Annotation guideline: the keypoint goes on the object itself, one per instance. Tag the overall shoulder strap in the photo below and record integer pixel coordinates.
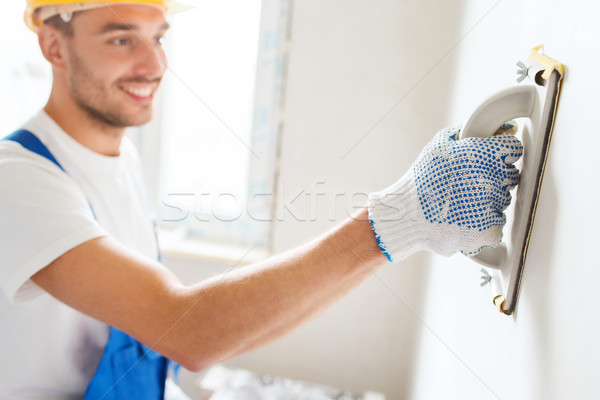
(31, 142)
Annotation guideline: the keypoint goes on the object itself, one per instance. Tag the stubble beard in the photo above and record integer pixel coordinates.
(93, 99)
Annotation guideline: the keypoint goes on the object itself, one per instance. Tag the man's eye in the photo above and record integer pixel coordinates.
(160, 40)
(121, 42)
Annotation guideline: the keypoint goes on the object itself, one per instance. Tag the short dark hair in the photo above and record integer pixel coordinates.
(57, 22)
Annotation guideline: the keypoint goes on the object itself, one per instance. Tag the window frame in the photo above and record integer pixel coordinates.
(255, 223)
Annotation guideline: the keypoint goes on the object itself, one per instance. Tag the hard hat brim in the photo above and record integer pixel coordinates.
(30, 16)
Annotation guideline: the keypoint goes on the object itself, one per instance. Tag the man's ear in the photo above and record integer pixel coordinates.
(53, 44)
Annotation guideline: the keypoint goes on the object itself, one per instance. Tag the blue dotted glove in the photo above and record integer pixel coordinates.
(451, 199)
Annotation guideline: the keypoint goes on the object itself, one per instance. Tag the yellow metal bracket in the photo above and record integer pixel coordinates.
(537, 55)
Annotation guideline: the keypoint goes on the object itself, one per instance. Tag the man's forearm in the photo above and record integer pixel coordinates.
(252, 306)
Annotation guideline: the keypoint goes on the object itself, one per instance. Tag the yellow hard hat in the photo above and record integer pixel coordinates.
(34, 18)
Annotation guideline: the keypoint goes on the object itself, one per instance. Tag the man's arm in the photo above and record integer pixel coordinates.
(221, 317)
(452, 199)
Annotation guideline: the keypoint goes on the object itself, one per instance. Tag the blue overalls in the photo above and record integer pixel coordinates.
(128, 369)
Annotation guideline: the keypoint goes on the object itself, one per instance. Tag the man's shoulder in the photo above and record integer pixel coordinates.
(13, 154)
(22, 170)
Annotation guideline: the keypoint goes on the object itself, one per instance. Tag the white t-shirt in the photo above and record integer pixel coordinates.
(47, 349)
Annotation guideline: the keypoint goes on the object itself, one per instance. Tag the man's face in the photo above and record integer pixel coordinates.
(115, 63)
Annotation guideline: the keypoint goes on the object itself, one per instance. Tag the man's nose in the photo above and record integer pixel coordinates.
(150, 60)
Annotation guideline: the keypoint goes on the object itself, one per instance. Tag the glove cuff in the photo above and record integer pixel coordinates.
(397, 219)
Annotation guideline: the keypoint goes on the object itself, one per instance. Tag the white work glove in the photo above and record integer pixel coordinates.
(451, 199)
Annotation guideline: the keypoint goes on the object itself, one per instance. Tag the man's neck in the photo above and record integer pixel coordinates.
(76, 123)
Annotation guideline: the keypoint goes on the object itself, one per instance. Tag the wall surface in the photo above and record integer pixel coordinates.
(550, 348)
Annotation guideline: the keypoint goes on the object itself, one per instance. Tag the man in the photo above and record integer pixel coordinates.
(78, 247)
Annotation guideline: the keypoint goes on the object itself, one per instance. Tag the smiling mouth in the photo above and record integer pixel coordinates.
(141, 92)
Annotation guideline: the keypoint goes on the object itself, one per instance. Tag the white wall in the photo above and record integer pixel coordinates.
(550, 348)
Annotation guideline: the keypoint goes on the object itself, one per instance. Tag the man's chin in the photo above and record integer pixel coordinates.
(119, 118)
(135, 119)
(139, 123)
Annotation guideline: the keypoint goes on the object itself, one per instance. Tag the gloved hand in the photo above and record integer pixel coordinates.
(451, 199)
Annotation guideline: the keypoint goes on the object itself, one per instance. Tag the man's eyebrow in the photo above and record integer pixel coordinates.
(127, 27)
(118, 27)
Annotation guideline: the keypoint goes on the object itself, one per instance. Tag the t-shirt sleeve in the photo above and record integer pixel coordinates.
(43, 214)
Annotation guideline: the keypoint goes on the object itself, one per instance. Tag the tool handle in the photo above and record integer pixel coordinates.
(507, 104)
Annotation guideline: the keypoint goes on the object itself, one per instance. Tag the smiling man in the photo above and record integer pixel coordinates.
(107, 77)
(89, 312)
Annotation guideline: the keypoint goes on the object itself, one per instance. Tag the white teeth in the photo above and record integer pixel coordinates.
(140, 92)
